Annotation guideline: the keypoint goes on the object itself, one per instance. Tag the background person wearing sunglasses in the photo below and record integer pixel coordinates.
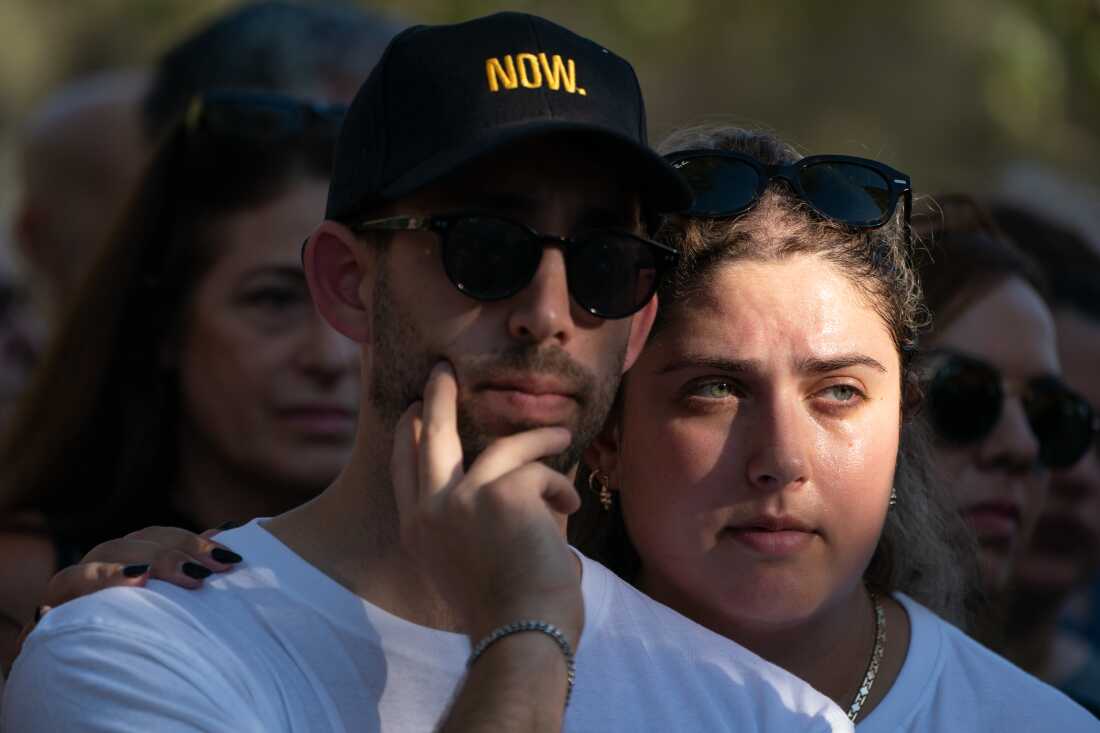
(361, 609)
(191, 381)
(995, 399)
(1061, 562)
(763, 473)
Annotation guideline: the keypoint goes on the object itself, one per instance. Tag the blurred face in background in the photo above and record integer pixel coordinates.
(270, 392)
(757, 444)
(998, 480)
(1065, 550)
(82, 155)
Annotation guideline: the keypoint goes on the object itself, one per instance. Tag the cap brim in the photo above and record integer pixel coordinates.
(661, 187)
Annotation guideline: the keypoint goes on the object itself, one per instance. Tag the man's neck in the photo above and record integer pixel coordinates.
(351, 533)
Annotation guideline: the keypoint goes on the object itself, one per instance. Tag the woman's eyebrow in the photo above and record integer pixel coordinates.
(808, 365)
(717, 363)
(821, 365)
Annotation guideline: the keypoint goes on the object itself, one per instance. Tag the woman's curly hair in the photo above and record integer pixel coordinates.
(923, 547)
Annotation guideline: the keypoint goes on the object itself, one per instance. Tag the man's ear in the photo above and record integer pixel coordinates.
(337, 267)
(641, 323)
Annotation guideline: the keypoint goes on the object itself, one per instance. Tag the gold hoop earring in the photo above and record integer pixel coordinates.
(597, 484)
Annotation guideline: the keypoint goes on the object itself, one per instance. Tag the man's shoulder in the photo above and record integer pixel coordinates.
(205, 659)
(160, 608)
(211, 621)
(124, 649)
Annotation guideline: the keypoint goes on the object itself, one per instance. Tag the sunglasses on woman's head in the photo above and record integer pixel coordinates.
(611, 273)
(261, 118)
(857, 192)
(965, 397)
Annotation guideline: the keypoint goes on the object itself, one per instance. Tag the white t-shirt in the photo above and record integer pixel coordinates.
(275, 645)
(949, 682)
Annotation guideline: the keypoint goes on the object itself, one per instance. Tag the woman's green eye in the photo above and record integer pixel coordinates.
(842, 392)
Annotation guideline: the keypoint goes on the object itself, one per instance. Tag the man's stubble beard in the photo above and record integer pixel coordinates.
(400, 367)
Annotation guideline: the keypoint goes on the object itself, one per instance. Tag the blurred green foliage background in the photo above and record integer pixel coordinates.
(947, 90)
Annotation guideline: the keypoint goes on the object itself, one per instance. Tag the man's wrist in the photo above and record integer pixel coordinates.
(568, 618)
(530, 628)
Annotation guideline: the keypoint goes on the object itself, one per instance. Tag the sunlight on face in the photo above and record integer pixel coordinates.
(759, 437)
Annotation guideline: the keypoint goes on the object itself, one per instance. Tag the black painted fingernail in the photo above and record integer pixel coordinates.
(231, 524)
(227, 557)
(135, 571)
(196, 571)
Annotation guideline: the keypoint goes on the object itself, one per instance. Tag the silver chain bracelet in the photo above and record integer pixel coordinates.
(531, 625)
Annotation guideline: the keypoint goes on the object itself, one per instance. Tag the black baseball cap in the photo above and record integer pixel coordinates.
(443, 96)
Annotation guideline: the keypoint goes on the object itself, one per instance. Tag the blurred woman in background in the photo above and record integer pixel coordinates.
(192, 380)
(1002, 415)
(1063, 557)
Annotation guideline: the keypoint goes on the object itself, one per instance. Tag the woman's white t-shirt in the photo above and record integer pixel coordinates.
(949, 682)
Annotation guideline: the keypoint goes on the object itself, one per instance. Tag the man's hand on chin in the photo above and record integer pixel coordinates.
(489, 538)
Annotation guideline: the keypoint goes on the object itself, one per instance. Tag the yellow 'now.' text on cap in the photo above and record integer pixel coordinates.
(532, 71)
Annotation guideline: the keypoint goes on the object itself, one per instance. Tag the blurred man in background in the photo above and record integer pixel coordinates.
(81, 152)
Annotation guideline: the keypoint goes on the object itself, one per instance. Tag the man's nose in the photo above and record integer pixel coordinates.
(542, 312)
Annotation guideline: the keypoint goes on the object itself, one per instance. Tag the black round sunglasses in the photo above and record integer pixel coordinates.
(611, 273)
(965, 397)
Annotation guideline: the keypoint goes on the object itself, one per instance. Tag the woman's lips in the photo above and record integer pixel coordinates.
(772, 536)
(319, 420)
(777, 543)
(994, 522)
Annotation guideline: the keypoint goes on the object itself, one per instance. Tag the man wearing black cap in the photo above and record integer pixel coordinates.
(484, 241)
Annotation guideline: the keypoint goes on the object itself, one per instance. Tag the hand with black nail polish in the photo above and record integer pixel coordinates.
(173, 555)
(196, 571)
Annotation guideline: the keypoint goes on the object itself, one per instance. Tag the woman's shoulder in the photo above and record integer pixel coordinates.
(950, 677)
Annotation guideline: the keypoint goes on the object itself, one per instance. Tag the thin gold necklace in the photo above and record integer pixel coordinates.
(875, 661)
